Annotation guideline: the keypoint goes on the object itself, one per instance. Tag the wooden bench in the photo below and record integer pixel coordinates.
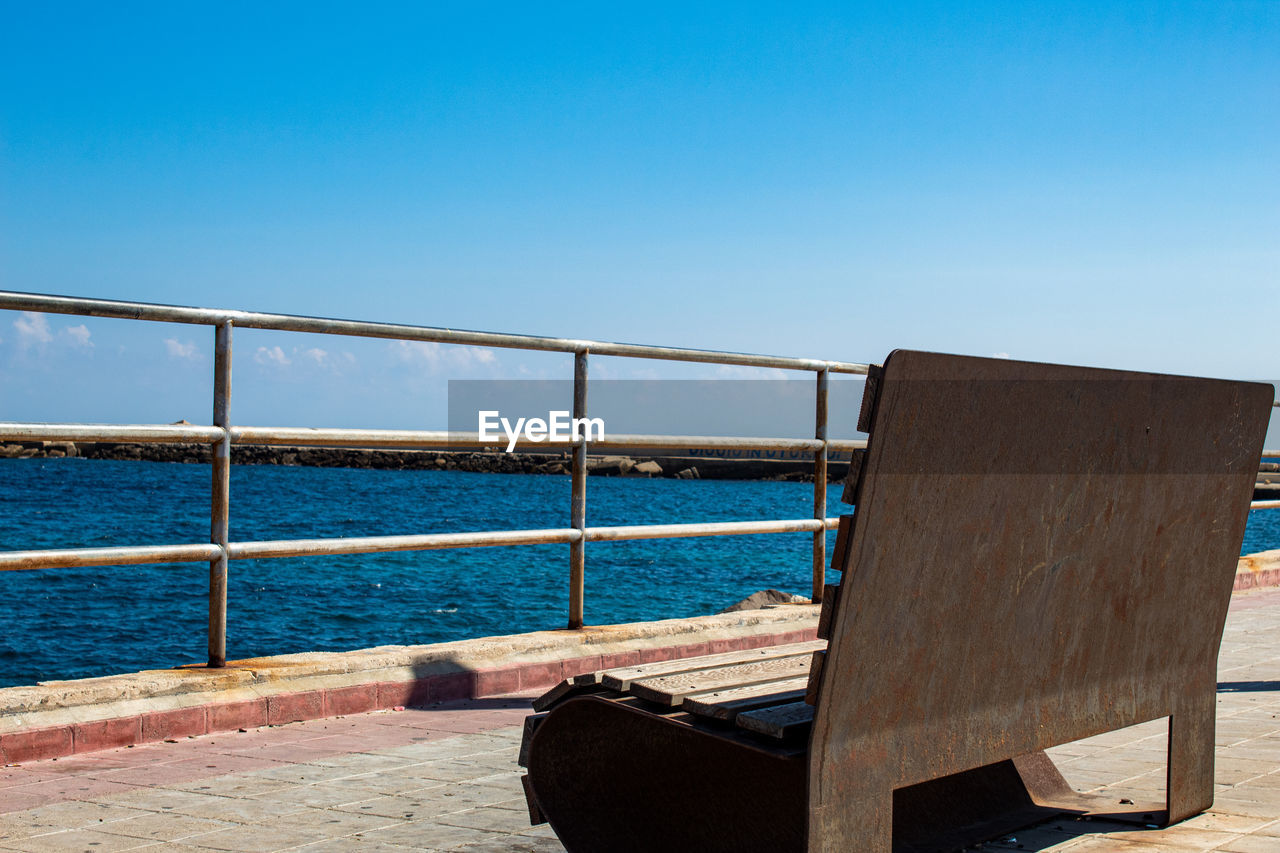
(1039, 554)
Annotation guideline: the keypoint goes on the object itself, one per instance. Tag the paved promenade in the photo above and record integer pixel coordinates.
(445, 778)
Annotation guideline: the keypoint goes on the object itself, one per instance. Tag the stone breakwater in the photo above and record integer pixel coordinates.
(676, 467)
(434, 460)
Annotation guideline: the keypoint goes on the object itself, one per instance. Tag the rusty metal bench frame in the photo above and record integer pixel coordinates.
(1039, 554)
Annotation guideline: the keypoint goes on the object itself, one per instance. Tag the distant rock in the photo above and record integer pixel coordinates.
(647, 468)
(611, 466)
(765, 598)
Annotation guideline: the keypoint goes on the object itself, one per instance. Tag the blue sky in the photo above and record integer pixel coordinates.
(1095, 183)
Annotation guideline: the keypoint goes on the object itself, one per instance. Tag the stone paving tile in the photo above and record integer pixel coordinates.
(490, 818)
(71, 788)
(160, 826)
(78, 840)
(261, 838)
(238, 785)
(239, 810)
(345, 845)
(321, 795)
(514, 844)
(334, 824)
(302, 774)
(371, 785)
(432, 835)
(73, 814)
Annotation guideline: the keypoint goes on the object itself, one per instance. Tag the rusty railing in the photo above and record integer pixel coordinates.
(223, 435)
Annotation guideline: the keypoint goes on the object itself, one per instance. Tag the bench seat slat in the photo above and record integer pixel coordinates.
(778, 721)
(815, 678)
(620, 679)
(827, 615)
(727, 704)
(671, 689)
(576, 685)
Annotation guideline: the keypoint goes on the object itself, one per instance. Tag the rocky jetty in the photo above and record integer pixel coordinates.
(1268, 485)
(765, 598)
(674, 467)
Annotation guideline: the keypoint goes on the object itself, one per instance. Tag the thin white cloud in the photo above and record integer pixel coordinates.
(32, 329)
(177, 349)
(79, 336)
(272, 356)
(1000, 355)
(744, 371)
(436, 357)
(316, 356)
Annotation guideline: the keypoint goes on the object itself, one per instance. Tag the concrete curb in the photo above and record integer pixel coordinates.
(55, 719)
(1258, 570)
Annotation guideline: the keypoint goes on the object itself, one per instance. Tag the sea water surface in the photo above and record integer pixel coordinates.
(74, 623)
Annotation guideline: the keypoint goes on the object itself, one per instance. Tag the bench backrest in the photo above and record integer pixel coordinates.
(1040, 553)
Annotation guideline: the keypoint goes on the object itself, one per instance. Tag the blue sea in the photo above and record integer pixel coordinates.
(75, 623)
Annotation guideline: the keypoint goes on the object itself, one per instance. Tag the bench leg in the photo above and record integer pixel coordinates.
(609, 777)
(1191, 743)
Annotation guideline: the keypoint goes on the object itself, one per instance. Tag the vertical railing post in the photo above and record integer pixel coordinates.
(820, 489)
(220, 502)
(578, 495)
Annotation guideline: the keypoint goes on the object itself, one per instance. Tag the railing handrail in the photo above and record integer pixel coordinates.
(110, 308)
(440, 440)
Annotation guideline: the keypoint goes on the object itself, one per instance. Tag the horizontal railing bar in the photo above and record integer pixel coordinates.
(122, 556)
(125, 555)
(358, 328)
(378, 544)
(718, 528)
(402, 438)
(130, 433)
(424, 439)
(1271, 454)
(722, 442)
(441, 440)
(69, 558)
(482, 539)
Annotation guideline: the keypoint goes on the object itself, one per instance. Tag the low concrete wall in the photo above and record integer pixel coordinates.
(58, 718)
(1257, 570)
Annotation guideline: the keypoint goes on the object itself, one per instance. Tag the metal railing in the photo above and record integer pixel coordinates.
(222, 435)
